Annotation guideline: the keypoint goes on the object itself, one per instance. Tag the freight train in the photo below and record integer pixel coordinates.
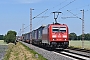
(51, 36)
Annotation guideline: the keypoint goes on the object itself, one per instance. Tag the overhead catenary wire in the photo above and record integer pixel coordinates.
(74, 14)
(81, 7)
(62, 7)
(40, 14)
(74, 9)
(53, 8)
(37, 17)
(58, 5)
(66, 5)
(88, 5)
(84, 11)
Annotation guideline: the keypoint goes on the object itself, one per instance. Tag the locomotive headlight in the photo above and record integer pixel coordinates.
(53, 36)
(53, 39)
(64, 36)
(65, 39)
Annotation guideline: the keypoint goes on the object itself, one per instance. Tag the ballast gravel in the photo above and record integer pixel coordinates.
(49, 55)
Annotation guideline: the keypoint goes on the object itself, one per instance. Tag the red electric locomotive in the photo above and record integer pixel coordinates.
(55, 36)
(51, 36)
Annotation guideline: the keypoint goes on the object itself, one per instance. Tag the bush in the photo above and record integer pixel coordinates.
(10, 37)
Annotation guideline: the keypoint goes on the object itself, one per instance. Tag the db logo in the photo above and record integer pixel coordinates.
(59, 36)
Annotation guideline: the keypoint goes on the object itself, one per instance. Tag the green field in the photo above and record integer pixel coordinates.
(2, 42)
(79, 44)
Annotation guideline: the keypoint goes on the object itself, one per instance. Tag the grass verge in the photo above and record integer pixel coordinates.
(40, 57)
(8, 53)
(21, 52)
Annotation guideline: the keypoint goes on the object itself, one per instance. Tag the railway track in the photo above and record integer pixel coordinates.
(82, 50)
(78, 55)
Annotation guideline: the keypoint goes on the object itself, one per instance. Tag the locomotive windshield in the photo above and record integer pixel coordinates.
(59, 29)
(55, 29)
(62, 29)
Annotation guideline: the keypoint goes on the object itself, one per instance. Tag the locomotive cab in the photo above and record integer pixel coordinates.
(58, 35)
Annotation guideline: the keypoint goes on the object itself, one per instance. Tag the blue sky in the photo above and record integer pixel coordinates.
(14, 13)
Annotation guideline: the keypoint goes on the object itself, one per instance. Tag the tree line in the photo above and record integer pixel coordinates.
(11, 37)
(73, 36)
(1, 37)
